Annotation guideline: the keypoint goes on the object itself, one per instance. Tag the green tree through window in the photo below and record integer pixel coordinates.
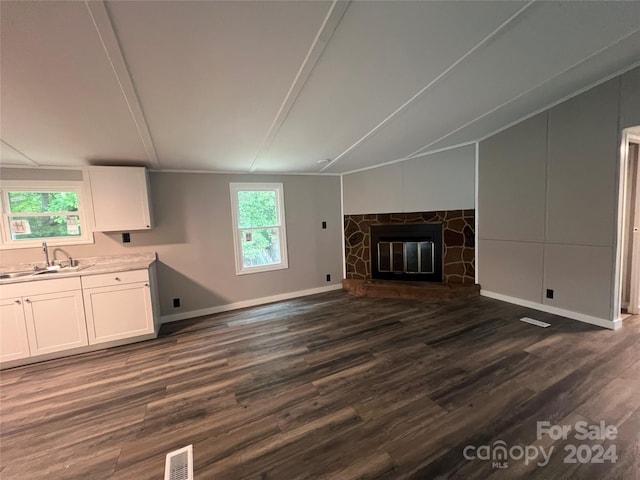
(259, 245)
(47, 213)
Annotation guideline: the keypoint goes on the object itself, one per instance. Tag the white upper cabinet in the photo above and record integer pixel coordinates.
(120, 198)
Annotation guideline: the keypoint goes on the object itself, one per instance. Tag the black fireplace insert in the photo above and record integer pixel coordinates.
(407, 252)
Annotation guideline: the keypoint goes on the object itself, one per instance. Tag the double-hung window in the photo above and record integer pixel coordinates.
(259, 233)
(37, 211)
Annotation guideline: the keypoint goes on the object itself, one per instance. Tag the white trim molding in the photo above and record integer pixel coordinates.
(476, 186)
(84, 212)
(106, 34)
(581, 317)
(247, 303)
(477, 47)
(331, 20)
(406, 159)
(261, 173)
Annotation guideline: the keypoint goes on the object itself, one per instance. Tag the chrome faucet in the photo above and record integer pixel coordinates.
(46, 254)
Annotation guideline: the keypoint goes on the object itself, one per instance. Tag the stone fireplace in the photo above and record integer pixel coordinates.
(437, 247)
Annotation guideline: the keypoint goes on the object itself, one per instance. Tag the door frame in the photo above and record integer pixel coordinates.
(627, 137)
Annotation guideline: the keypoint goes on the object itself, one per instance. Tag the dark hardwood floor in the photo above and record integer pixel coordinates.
(331, 386)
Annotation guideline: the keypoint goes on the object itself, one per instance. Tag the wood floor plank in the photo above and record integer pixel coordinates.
(328, 386)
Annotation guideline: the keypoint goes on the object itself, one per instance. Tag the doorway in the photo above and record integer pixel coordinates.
(629, 217)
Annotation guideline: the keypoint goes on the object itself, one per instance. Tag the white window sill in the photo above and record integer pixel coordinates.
(37, 243)
(266, 268)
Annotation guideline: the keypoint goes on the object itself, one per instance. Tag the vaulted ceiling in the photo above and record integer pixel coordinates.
(306, 86)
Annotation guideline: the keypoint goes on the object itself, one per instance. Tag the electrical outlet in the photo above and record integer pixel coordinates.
(176, 303)
(324, 225)
(328, 277)
(549, 293)
(126, 238)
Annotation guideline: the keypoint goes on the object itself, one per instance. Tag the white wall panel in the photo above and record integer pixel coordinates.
(580, 277)
(630, 99)
(511, 268)
(579, 211)
(440, 181)
(511, 188)
(378, 190)
(583, 144)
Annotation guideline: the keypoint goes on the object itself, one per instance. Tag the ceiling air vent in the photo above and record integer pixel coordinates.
(179, 464)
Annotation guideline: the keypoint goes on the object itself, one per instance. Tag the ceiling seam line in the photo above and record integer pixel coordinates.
(242, 172)
(143, 130)
(600, 81)
(526, 92)
(21, 153)
(431, 83)
(405, 159)
(329, 24)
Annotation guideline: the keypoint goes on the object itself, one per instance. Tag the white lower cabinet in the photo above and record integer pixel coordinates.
(48, 315)
(14, 343)
(42, 317)
(55, 322)
(118, 311)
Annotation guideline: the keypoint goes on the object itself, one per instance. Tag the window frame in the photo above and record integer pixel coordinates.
(83, 212)
(278, 188)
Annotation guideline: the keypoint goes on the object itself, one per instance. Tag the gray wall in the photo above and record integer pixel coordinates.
(547, 192)
(440, 181)
(194, 240)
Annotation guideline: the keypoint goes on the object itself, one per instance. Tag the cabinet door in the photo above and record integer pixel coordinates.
(117, 312)
(120, 198)
(55, 322)
(14, 343)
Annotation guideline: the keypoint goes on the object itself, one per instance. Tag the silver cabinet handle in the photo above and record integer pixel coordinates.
(18, 302)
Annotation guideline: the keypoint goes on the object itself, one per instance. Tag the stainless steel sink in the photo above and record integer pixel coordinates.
(15, 274)
(44, 271)
(60, 270)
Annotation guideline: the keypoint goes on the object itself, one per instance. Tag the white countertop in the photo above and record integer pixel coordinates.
(87, 266)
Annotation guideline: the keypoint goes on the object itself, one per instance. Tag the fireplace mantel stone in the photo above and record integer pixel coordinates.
(458, 232)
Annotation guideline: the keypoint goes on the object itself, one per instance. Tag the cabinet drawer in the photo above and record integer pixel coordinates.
(38, 287)
(116, 278)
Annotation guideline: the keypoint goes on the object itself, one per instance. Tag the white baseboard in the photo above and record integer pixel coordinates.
(600, 322)
(247, 303)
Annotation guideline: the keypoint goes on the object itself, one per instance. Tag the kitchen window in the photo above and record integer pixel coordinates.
(37, 211)
(259, 232)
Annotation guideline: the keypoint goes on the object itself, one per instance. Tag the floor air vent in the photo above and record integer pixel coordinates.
(535, 322)
(179, 464)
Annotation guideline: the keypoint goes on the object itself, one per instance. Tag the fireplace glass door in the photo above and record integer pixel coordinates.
(410, 252)
(406, 257)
